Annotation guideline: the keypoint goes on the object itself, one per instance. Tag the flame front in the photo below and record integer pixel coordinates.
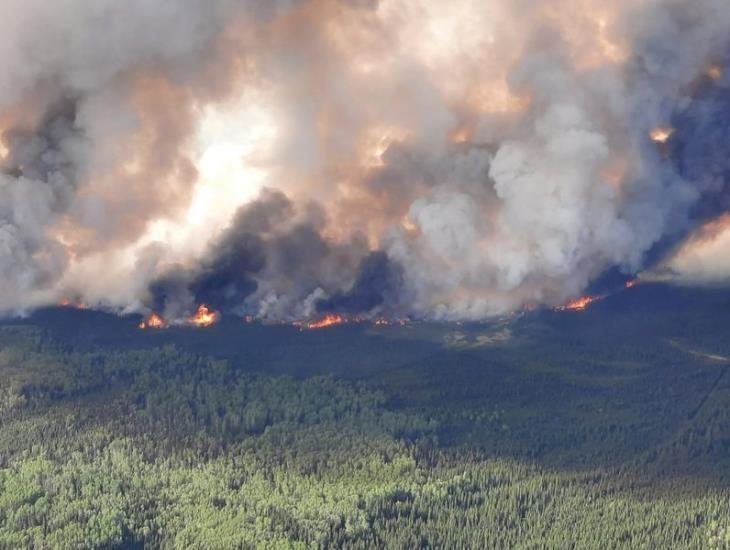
(579, 304)
(76, 304)
(327, 321)
(333, 319)
(153, 321)
(204, 317)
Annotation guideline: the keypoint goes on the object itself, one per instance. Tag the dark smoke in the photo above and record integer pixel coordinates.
(228, 280)
(38, 180)
(271, 246)
(697, 153)
(46, 152)
(379, 281)
(699, 149)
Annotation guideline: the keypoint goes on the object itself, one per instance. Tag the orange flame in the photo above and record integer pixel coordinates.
(336, 319)
(76, 304)
(461, 135)
(327, 321)
(579, 304)
(631, 283)
(661, 134)
(204, 317)
(153, 321)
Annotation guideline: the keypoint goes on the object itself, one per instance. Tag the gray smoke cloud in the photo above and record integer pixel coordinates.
(98, 103)
(440, 161)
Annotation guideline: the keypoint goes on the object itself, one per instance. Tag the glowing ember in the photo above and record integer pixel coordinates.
(661, 135)
(410, 227)
(335, 319)
(328, 321)
(630, 284)
(204, 317)
(153, 321)
(714, 72)
(462, 135)
(76, 304)
(579, 304)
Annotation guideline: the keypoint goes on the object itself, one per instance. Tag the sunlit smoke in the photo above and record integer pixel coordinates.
(703, 258)
(315, 160)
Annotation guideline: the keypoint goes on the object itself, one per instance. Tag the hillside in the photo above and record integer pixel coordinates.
(601, 428)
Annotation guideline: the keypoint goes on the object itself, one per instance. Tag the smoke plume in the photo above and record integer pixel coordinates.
(440, 160)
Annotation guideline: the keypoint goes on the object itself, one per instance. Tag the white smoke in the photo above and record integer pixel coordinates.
(497, 153)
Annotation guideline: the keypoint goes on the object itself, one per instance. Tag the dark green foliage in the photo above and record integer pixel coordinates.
(552, 439)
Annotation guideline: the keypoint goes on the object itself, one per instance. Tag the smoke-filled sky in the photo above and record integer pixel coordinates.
(282, 159)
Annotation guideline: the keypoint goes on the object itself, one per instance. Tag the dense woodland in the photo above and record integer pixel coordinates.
(551, 439)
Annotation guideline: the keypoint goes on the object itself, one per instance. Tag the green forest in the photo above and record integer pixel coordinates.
(535, 441)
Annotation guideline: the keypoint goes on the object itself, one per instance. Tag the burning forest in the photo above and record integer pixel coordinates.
(202, 318)
(332, 320)
(579, 304)
(320, 161)
(364, 274)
